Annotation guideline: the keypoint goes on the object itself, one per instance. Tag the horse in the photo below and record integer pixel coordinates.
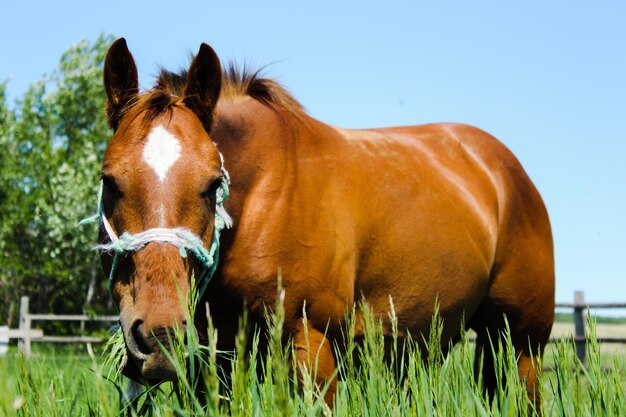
(437, 213)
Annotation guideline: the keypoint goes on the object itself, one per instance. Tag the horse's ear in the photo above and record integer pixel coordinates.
(204, 81)
(120, 81)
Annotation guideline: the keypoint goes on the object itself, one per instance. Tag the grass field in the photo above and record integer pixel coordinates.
(602, 330)
(56, 382)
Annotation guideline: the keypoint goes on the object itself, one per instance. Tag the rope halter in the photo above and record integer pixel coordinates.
(185, 240)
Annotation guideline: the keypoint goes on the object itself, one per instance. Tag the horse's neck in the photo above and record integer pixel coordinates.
(254, 140)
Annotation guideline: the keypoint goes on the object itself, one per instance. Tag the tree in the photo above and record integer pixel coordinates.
(52, 143)
(7, 156)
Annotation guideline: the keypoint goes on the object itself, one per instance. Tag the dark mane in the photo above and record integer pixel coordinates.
(236, 82)
(245, 82)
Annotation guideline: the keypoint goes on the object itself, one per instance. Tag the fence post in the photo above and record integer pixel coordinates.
(24, 342)
(579, 325)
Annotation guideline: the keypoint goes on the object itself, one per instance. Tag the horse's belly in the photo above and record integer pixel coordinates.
(415, 298)
(446, 263)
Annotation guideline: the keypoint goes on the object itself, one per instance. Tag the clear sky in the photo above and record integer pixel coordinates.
(548, 78)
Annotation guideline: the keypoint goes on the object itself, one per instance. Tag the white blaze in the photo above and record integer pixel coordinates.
(162, 215)
(161, 151)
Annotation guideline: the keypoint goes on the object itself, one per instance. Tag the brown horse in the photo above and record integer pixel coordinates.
(440, 212)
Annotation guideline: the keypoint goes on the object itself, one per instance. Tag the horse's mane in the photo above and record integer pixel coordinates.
(236, 82)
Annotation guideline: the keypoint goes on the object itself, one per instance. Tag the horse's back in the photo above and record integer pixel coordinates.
(443, 208)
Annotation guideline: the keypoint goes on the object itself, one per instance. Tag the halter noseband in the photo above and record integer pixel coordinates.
(182, 238)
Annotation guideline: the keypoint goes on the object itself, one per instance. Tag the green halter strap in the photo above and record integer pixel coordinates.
(183, 239)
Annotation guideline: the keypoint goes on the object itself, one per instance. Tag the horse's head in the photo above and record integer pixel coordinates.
(161, 175)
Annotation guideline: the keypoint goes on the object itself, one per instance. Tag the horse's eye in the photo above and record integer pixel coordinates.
(212, 188)
(110, 185)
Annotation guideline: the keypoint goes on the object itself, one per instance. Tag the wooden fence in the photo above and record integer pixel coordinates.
(26, 334)
(580, 306)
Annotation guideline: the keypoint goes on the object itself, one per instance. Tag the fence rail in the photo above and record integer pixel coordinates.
(70, 317)
(26, 334)
(579, 306)
(591, 305)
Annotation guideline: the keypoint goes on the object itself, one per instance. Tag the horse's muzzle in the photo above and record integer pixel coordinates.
(148, 351)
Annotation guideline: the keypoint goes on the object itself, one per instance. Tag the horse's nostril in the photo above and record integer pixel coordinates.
(140, 340)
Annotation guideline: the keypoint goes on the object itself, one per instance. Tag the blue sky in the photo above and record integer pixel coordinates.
(548, 78)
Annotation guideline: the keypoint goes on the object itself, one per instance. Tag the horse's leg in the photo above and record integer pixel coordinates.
(314, 351)
(484, 365)
(527, 366)
(522, 290)
(528, 340)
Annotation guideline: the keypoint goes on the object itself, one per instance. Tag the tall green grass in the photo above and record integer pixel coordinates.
(412, 382)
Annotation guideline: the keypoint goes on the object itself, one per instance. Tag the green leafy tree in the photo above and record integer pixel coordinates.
(7, 158)
(52, 143)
